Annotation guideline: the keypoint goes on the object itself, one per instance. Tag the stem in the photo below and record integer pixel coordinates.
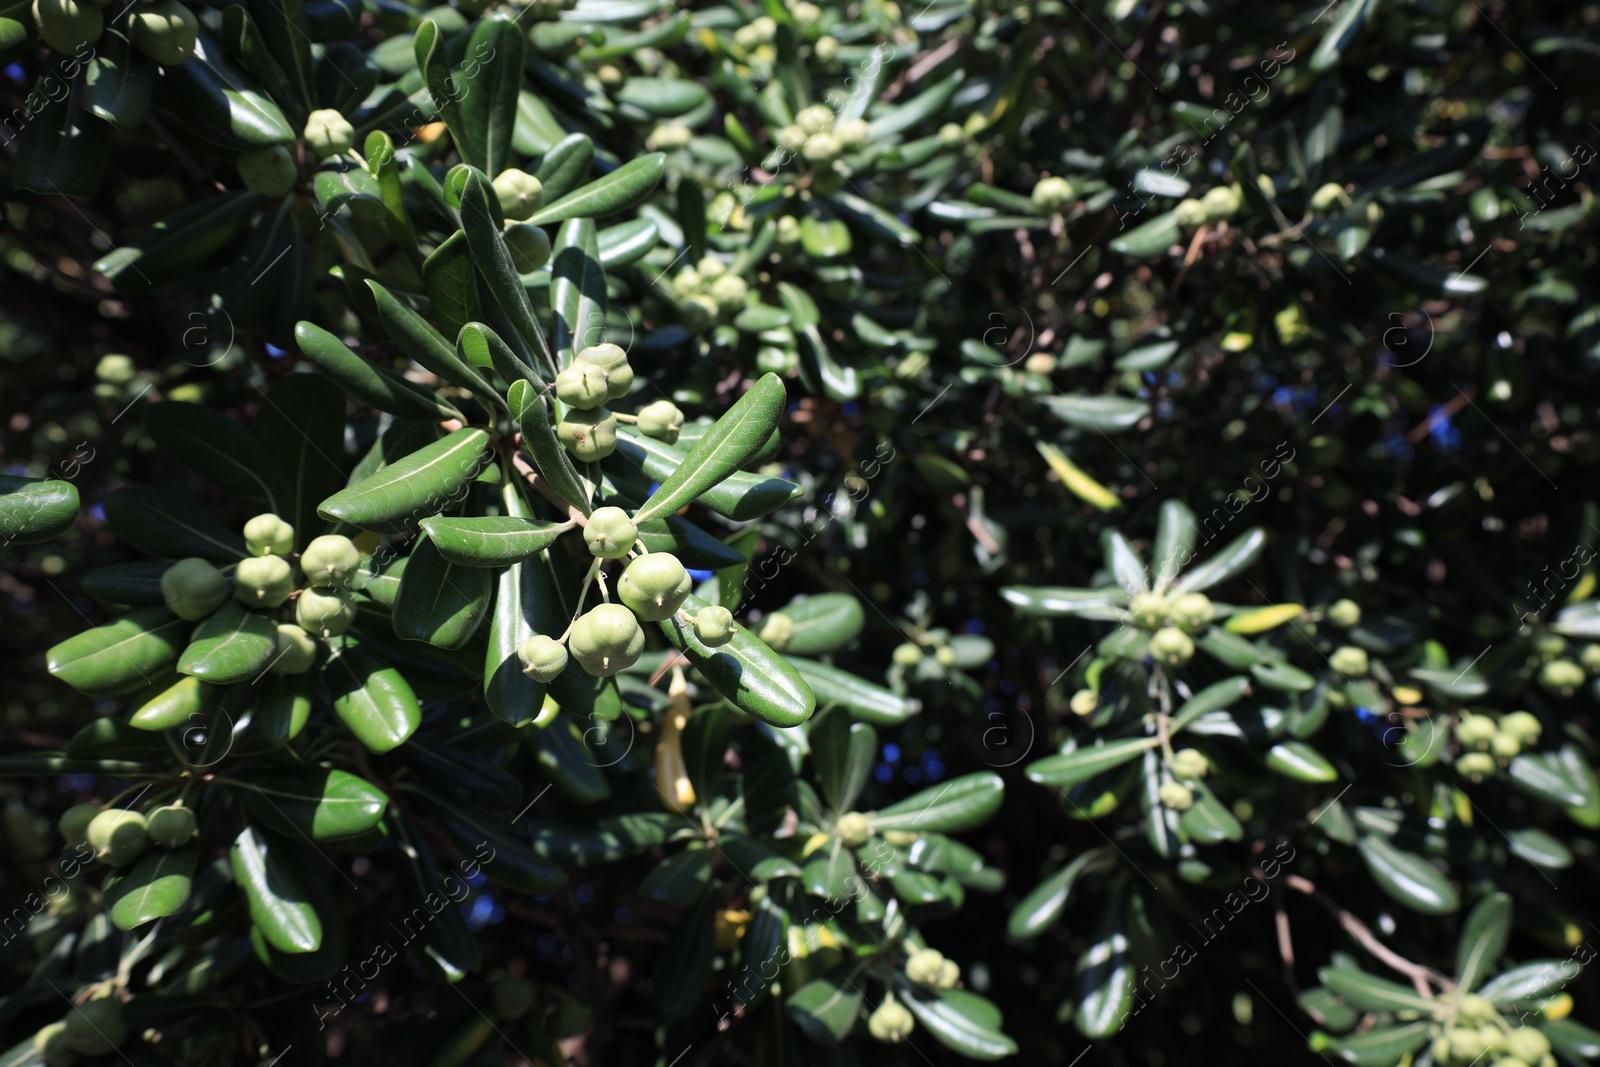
(1420, 976)
(594, 570)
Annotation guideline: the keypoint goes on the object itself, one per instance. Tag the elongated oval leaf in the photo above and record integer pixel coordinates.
(1084, 763)
(131, 652)
(618, 191)
(737, 436)
(959, 804)
(311, 803)
(157, 886)
(418, 485)
(372, 699)
(35, 510)
(864, 700)
(278, 902)
(234, 645)
(756, 679)
(366, 381)
(1408, 878)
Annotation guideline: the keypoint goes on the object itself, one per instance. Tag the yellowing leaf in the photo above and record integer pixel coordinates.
(1263, 619)
(1077, 482)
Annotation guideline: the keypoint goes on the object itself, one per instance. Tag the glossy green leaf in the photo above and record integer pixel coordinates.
(1053, 601)
(754, 860)
(1083, 763)
(1176, 531)
(1382, 1046)
(1408, 878)
(1229, 562)
(844, 752)
(1296, 759)
(1208, 821)
(565, 165)
(233, 645)
(119, 82)
(224, 98)
(157, 886)
(371, 698)
(494, 262)
(489, 80)
(1540, 775)
(539, 438)
(480, 346)
(365, 380)
(1042, 907)
(35, 510)
(278, 902)
(112, 659)
(507, 858)
(739, 495)
(490, 540)
(963, 1022)
(757, 680)
(452, 286)
(864, 700)
(618, 191)
(959, 804)
(301, 422)
(62, 149)
(311, 803)
(440, 602)
(168, 526)
(421, 342)
(577, 289)
(679, 879)
(1533, 845)
(1571, 1039)
(1124, 563)
(219, 448)
(825, 1009)
(1376, 994)
(1105, 977)
(829, 871)
(173, 705)
(737, 436)
(285, 707)
(1284, 677)
(418, 485)
(1214, 697)
(1528, 981)
(1483, 940)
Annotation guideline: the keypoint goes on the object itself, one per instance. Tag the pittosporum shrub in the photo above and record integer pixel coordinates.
(605, 532)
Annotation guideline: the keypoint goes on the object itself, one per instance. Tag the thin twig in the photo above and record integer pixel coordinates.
(1420, 976)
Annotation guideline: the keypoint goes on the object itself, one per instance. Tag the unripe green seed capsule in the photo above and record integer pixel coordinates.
(68, 25)
(582, 386)
(326, 613)
(192, 588)
(923, 965)
(171, 826)
(729, 292)
(520, 194)
(1561, 676)
(329, 133)
(613, 361)
(1523, 726)
(589, 436)
(1189, 763)
(1176, 796)
(777, 631)
(714, 625)
(891, 1021)
(268, 535)
(116, 368)
(74, 822)
(654, 586)
(853, 829)
(268, 171)
(263, 581)
(661, 420)
(1084, 701)
(907, 655)
(529, 245)
(853, 134)
(610, 533)
(606, 640)
(297, 650)
(118, 836)
(331, 561)
(542, 658)
(1192, 613)
(1052, 195)
(1349, 661)
(165, 31)
(1344, 614)
(1171, 647)
(97, 1027)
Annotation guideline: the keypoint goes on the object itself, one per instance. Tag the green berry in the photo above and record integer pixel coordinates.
(610, 533)
(853, 134)
(1549, 645)
(328, 133)
(661, 420)
(192, 588)
(1222, 202)
(949, 975)
(269, 171)
(1475, 731)
(1189, 763)
(1466, 1044)
(907, 655)
(1189, 213)
(1328, 195)
(1476, 765)
(1503, 745)
(923, 965)
(1523, 726)
(1192, 613)
(788, 230)
(606, 640)
(324, 612)
(613, 361)
(171, 826)
(1171, 647)
(1527, 1044)
(1589, 659)
(1561, 676)
(74, 822)
(68, 25)
(589, 436)
(951, 134)
(1349, 661)
(669, 137)
(520, 194)
(1040, 363)
(165, 31)
(777, 630)
(116, 369)
(713, 625)
(582, 386)
(297, 650)
(822, 148)
(331, 561)
(1051, 196)
(654, 586)
(542, 658)
(826, 49)
(729, 292)
(263, 581)
(1344, 614)
(51, 1042)
(529, 245)
(1084, 701)
(817, 118)
(118, 836)
(1477, 1009)
(891, 1022)
(268, 535)
(1176, 796)
(853, 829)
(711, 268)
(945, 656)
(97, 1027)
(698, 313)
(1148, 611)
